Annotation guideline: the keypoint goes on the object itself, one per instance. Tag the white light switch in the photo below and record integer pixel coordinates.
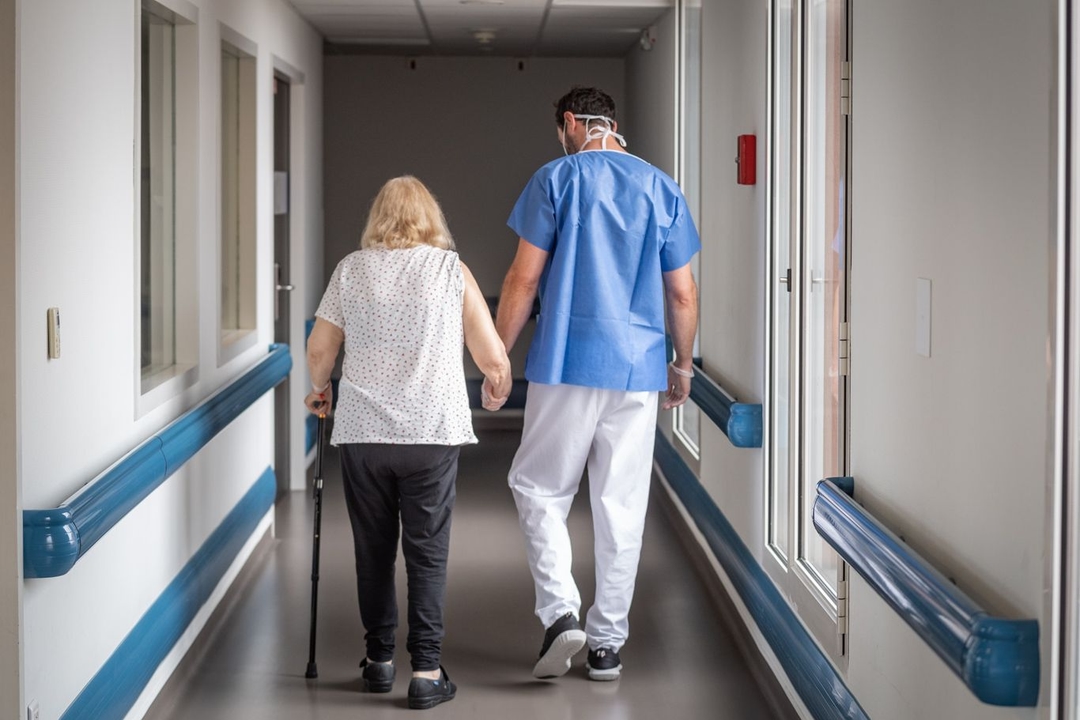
(922, 317)
(54, 332)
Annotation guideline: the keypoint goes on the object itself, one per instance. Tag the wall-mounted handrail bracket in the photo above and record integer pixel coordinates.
(741, 422)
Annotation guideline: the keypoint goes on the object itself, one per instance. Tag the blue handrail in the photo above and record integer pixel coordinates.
(54, 539)
(997, 658)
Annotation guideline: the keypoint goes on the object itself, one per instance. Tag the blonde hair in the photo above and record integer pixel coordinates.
(405, 214)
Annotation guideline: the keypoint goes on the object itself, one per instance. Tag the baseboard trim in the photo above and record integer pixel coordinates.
(813, 679)
(118, 685)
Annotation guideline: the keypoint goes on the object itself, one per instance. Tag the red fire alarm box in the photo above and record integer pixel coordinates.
(747, 159)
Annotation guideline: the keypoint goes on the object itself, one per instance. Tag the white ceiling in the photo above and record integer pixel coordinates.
(519, 28)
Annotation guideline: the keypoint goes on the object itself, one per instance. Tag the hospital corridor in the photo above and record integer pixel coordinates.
(489, 647)
(539, 359)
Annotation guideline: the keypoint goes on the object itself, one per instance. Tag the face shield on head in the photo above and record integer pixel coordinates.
(601, 130)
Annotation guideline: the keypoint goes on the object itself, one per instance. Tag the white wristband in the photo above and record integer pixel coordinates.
(680, 372)
(322, 389)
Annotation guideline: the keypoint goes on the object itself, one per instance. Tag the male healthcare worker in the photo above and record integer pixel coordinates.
(605, 238)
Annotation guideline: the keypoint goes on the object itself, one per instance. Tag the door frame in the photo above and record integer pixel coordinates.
(1063, 485)
(300, 260)
(11, 580)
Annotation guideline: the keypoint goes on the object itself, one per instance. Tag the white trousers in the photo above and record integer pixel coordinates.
(567, 428)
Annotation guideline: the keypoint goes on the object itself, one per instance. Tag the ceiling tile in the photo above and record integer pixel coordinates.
(619, 18)
(581, 28)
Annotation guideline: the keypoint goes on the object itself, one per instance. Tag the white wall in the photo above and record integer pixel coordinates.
(733, 256)
(951, 181)
(10, 501)
(78, 243)
(648, 121)
(474, 130)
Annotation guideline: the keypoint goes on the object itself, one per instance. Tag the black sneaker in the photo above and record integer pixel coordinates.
(603, 664)
(378, 677)
(562, 641)
(424, 693)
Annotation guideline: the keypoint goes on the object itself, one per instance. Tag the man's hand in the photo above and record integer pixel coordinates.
(678, 388)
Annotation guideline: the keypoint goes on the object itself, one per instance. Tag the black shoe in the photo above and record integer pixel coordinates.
(562, 641)
(424, 693)
(378, 677)
(603, 664)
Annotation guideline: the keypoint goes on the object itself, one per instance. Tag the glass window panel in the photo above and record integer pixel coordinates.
(230, 193)
(691, 425)
(157, 195)
(238, 252)
(783, 219)
(823, 289)
(687, 418)
(691, 153)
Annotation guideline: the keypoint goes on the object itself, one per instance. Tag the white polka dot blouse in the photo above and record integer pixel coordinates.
(403, 379)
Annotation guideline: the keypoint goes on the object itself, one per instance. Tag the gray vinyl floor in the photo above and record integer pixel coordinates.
(680, 662)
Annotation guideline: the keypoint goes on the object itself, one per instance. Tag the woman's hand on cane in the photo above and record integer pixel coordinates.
(320, 401)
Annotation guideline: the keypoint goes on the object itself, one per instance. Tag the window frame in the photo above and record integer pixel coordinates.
(157, 389)
(233, 342)
(687, 447)
(819, 607)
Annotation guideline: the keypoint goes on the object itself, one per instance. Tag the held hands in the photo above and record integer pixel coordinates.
(678, 381)
(319, 402)
(490, 398)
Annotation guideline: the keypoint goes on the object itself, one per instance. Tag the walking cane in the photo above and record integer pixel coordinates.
(312, 669)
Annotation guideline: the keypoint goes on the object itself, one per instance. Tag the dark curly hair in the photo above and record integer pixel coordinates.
(584, 101)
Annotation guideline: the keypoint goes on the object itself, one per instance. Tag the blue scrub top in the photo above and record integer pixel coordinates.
(612, 224)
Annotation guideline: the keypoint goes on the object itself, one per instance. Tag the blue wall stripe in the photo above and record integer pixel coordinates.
(813, 676)
(997, 658)
(54, 539)
(113, 691)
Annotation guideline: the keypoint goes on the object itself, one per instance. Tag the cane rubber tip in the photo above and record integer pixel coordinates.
(312, 671)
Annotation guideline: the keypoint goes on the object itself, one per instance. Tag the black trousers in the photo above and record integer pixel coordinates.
(410, 488)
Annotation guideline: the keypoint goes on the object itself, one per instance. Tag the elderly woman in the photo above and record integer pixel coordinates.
(402, 305)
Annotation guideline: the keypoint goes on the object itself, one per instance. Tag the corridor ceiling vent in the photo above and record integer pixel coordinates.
(520, 28)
